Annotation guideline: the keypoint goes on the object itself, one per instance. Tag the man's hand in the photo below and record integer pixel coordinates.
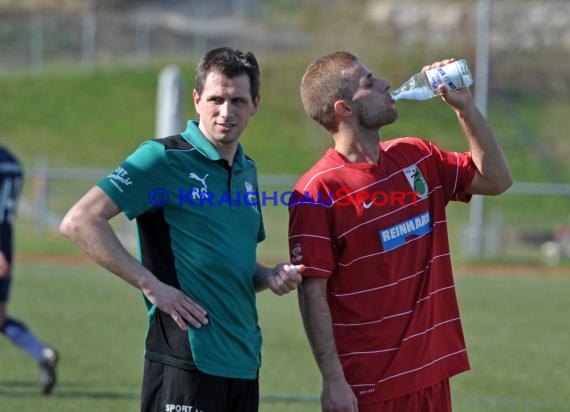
(458, 98)
(493, 175)
(174, 302)
(338, 396)
(285, 278)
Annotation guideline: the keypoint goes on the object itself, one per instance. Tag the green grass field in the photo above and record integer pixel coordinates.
(515, 322)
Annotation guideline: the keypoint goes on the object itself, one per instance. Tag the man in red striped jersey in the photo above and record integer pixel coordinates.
(378, 299)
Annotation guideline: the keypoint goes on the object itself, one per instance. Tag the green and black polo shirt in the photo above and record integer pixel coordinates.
(199, 222)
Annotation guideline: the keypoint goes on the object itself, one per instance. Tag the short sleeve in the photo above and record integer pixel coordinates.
(311, 241)
(261, 231)
(456, 172)
(137, 179)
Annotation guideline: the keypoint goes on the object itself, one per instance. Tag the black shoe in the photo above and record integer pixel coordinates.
(48, 377)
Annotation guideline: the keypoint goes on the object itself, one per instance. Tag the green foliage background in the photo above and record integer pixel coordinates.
(94, 120)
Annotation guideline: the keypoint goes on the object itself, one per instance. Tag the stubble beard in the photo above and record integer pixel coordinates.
(369, 120)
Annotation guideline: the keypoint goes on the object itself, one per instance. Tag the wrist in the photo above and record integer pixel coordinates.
(262, 277)
(147, 284)
(467, 112)
(333, 372)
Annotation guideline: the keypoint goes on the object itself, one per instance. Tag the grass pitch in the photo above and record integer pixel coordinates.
(515, 326)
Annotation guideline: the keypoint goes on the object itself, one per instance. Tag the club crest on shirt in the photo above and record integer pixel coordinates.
(416, 181)
(251, 196)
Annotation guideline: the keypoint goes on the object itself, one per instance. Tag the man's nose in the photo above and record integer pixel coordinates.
(386, 85)
(224, 109)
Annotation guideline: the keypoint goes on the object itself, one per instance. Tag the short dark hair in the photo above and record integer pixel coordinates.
(231, 63)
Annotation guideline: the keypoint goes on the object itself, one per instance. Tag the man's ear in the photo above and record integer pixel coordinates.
(256, 104)
(342, 108)
(196, 99)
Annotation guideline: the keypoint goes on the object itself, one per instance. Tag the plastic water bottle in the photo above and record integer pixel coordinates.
(423, 85)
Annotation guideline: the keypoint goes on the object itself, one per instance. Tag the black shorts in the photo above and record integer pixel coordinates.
(4, 289)
(169, 389)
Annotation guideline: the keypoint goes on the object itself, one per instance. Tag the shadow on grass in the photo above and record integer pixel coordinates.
(27, 389)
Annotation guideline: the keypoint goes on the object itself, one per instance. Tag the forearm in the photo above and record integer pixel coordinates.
(97, 239)
(317, 321)
(486, 152)
(87, 225)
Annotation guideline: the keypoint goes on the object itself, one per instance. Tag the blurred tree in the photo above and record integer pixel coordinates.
(66, 5)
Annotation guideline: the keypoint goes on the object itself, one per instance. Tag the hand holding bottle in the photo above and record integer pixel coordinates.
(424, 85)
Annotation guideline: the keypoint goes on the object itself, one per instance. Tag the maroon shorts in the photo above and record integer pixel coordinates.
(436, 398)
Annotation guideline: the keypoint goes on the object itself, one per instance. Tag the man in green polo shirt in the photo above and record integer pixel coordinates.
(195, 199)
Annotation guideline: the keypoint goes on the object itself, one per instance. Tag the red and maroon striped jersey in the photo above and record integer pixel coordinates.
(379, 234)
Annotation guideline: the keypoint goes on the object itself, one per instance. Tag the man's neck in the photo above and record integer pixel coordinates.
(358, 149)
(227, 151)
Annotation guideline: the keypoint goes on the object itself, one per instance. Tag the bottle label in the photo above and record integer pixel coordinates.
(449, 75)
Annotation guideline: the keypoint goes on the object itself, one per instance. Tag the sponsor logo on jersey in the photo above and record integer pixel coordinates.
(172, 407)
(416, 181)
(403, 232)
(199, 192)
(120, 178)
(367, 391)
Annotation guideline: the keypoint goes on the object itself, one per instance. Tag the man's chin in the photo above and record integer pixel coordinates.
(391, 119)
(225, 139)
